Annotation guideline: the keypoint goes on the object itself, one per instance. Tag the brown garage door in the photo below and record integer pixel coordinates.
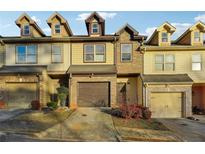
(93, 94)
(20, 95)
(166, 105)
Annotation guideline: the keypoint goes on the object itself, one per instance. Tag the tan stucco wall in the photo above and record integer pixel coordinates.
(44, 56)
(74, 87)
(183, 64)
(78, 54)
(185, 89)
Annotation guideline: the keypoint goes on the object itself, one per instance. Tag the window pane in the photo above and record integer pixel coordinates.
(57, 28)
(31, 58)
(159, 59)
(89, 57)
(89, 49)
(56, 54)
(196, 66)
(99, 58)
(56, 58)
(95, 28)
(196, 58)
(159, 67)
(100, 50)
(169, 67)
(169, 59)
(164, 37)
(126, 56)
(31, 49)
(26, 30)
(196, 36)
(21, 54)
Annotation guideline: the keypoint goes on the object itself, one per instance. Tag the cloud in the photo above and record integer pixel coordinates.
(6, 26)
(36, 19)
(105, 15)
(149, 31)
(200, 17)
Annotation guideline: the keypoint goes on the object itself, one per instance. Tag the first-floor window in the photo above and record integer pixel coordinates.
(126, 52)
(94, 53)
(56, 53)
(26, 54)
(196, 62)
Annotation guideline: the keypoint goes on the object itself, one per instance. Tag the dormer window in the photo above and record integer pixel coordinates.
(26, 30)
(95, 28)
(164, 37)
(57, 29)
(196, 36)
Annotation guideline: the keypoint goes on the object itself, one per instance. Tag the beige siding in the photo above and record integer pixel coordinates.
(183, 64)
(78, 54)
(44, 56)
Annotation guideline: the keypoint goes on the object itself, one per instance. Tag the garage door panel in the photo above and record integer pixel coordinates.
(166, 105)
(93, 94)
(20, 95)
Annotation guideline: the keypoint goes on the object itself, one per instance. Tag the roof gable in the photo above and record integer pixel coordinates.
(96, 16)
(128, 28)
(62, 20)
(30, 21)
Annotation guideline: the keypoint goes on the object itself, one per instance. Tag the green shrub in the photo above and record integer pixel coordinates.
(53, 105)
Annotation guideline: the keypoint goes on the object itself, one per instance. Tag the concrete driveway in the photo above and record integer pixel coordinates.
(85, 124)
(187, 130)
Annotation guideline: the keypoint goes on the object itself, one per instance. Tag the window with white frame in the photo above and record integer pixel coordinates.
(196, 62)
(95, 28)
(57, 54)
(26, 29)
(57, 28)
(165, 62)
(164, 37)
(26, 54)
(196, 36)
(126, 52)
(94, 53)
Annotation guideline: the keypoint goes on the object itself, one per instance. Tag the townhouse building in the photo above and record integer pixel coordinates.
(104, 70)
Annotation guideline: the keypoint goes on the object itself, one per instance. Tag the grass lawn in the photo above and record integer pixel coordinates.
(151, 124)
(35, 121)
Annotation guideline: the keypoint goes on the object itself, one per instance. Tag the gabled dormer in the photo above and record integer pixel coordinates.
(95, 25)
(162, 35)
(128, 33)
(192, 36)
(28, 27)
(59, 26)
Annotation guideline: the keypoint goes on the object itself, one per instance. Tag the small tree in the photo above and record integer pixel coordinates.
(62, 95)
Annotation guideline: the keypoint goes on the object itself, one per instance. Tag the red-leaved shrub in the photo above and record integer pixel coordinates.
(2, 105)
(134, 111)
(35, 105)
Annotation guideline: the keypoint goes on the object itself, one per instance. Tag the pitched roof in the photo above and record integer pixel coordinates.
(31, 22)
(22, 69)
(166, 25)
(167, 78)
(198, 24)
(94, 14)
(134, 31)
(62, 20)
(85, 69)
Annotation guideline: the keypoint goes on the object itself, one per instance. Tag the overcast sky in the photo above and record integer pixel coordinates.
(144, 22)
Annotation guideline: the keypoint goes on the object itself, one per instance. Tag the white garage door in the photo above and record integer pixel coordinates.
(166, 105)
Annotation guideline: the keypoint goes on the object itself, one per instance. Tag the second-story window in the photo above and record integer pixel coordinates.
(57, 28)
(164, 37)
(165, 62)
(94, 53)
(26, 54)
(196, 36)
(56, 54)
(126, 52)
(196, 62)
(26, 30)
(95, 28)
